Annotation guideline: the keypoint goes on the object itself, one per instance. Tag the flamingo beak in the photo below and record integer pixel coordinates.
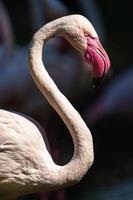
(97, 57)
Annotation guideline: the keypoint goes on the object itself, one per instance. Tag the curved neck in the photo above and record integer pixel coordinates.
(83, 145)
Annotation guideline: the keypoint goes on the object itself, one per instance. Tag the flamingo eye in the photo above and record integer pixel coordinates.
(86, 34)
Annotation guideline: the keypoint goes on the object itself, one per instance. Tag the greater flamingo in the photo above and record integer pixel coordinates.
(26, 165)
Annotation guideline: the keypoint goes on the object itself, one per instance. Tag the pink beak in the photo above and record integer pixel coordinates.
(96, 56)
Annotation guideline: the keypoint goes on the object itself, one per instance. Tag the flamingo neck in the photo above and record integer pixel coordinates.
(83, 145)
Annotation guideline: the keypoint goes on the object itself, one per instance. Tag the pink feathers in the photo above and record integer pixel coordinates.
(97, 57)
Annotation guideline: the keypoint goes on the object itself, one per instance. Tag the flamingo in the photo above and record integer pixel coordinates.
(26, 164)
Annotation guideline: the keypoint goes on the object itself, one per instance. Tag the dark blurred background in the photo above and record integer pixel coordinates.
(107, 111)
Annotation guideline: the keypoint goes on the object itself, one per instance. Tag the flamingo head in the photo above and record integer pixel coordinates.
(83, 37)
